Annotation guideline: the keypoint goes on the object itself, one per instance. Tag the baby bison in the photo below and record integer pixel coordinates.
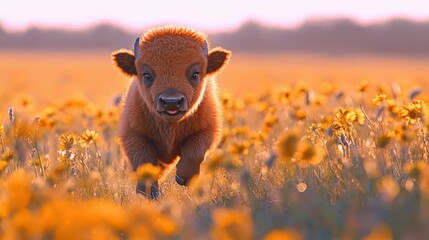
(172, 106)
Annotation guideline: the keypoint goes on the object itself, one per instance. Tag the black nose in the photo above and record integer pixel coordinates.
(171, 103)
(171, 100)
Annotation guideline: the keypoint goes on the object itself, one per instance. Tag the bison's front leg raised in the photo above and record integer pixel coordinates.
(140, 150)
(192, 155)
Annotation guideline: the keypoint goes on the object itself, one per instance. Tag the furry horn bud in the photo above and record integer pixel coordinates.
(136, 48)
(206, 48)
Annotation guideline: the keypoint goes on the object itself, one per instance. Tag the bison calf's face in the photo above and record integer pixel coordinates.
(171, 92)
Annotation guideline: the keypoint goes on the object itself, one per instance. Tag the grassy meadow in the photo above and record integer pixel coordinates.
(313, 148)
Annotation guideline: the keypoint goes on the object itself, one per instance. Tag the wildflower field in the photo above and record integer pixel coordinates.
(313, 148)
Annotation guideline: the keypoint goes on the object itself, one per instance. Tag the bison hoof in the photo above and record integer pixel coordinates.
(180, 181)
(153, 194)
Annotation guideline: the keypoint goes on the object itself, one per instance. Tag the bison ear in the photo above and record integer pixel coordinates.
(124, 60)
(218, 58)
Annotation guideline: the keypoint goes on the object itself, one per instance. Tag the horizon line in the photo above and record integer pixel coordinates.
(230, 28)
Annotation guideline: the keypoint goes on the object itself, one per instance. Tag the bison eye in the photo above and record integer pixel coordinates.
(195, 76)
(147, 78)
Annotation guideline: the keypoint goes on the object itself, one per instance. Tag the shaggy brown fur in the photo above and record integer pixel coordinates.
(171, 61)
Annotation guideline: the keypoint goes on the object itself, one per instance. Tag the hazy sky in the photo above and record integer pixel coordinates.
(212, 15)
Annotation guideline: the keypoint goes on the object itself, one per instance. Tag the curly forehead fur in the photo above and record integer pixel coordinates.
(173, 31)
(180, 43)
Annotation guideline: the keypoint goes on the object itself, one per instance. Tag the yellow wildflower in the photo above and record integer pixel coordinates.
(344, 119)
(309, 154)
(7, 156)
(103, 233)
(337, 128)
(22, 223)
(18, 189)
(300, 113)
(263, 106)
(285, 95)
(325, 122)
(320, 100)
(225, 134)
(363, 86)
(287, 145)
(226, 100)
(232, 224)
(327, 88)
(261, 135)
(200, 189)
(380, 232)
(401, 133)
(3, 165)
(147, 172)
(239, 147)
(346, 115)
(392, 107)
(88, 137)
(231, 120)
(286, 234)
(139, 232)
(75, 103)
(415, 169)
(25, 101)
(270, 121)
(237, 105)
(216, 159)
(66, 141)
(165, 226)
(100, 116)
(413, 111)
(241, 131)
(248, 99)
(49, 112)
(301, 88)
(350, 116)
(360, 117)
(379, 99)
(222, 159)
(383, 140)
(47, 123)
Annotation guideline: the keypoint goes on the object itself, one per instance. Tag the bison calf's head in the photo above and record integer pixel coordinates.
(172, 66)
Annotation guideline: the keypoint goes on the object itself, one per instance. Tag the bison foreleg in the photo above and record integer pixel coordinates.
(192, 155)
(139, 151)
